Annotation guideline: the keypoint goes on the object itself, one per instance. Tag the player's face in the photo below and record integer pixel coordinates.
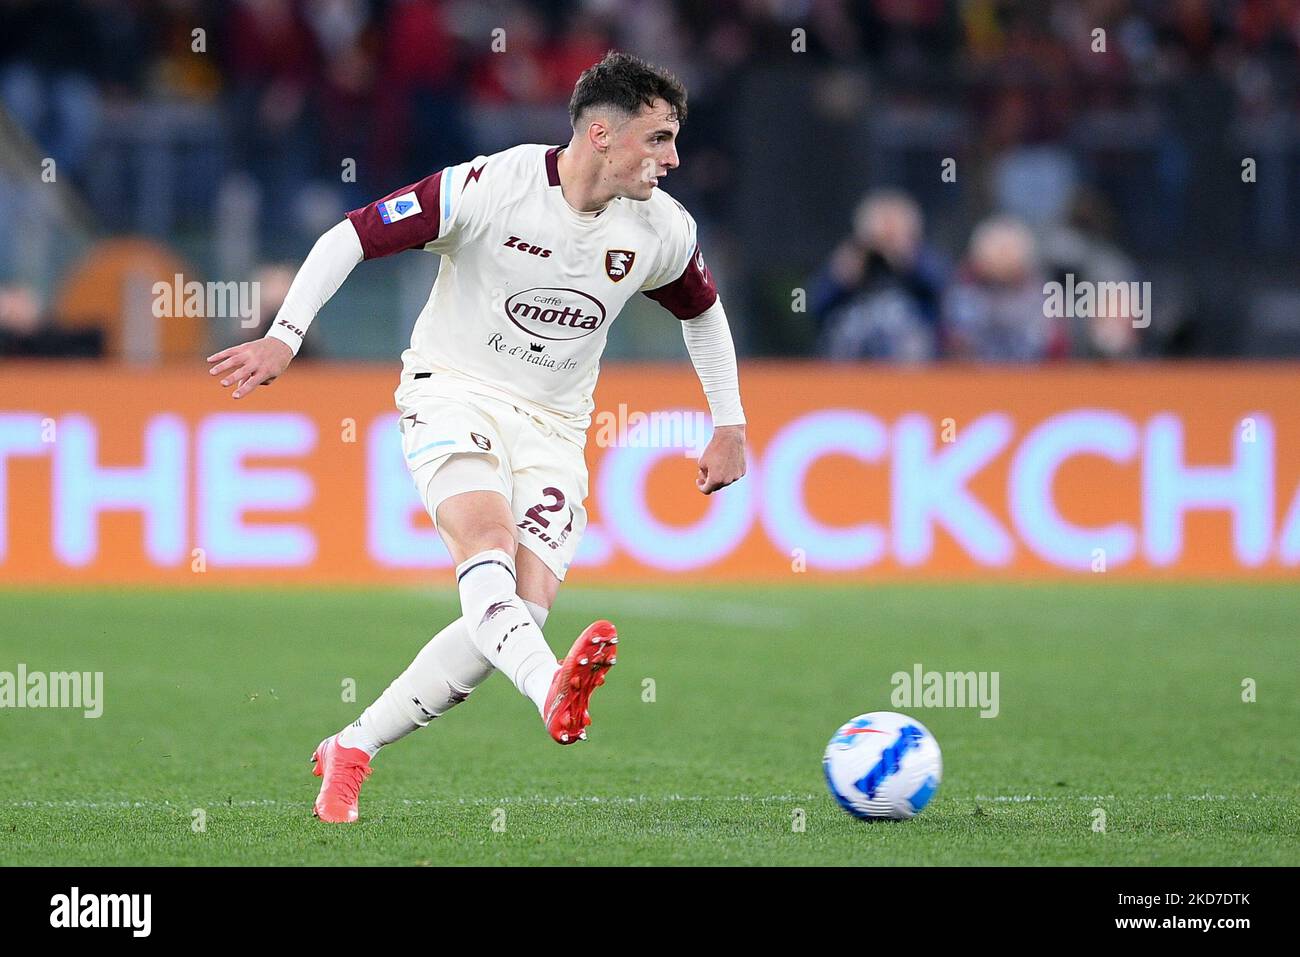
(642, 150)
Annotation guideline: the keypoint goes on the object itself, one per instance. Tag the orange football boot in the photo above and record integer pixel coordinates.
(582, 672)
(342, 770)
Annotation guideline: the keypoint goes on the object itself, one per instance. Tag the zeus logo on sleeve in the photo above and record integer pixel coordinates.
(398, 208)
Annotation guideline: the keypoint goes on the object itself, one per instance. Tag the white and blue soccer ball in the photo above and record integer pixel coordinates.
(883, 765)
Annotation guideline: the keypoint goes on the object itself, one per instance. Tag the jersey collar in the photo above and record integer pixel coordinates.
(553, 166)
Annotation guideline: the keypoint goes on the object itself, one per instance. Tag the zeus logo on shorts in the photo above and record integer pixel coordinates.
(398, 208)
(483, 442)
(538, 524)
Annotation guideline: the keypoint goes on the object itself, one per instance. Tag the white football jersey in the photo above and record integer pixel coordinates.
(528, 287)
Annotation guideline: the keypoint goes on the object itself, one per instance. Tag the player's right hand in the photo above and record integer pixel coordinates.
(251, 364)
(723, 461)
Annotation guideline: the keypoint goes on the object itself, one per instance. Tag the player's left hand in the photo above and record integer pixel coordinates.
(723, 461)
(251, 364)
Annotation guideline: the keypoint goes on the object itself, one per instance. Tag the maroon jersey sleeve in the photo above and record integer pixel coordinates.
(690, 293)
(406, 218)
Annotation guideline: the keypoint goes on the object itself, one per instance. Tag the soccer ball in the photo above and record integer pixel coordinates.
(883, 765)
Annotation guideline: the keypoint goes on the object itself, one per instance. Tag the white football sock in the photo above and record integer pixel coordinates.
(442, 675)
(539, 612)
(501, 626)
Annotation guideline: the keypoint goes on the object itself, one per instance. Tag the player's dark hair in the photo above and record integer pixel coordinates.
(626, 83)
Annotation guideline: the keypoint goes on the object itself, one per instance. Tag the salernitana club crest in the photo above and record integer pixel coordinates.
(618, 263)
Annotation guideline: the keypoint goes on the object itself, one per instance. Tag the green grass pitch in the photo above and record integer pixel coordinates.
(1123, 697)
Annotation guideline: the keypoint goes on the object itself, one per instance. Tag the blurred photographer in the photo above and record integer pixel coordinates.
(878, 296)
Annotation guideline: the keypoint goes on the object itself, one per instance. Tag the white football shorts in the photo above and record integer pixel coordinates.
(541, 472)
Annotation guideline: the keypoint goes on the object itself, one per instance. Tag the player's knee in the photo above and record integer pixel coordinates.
(467, 542)
(475, 522)
(492, 536)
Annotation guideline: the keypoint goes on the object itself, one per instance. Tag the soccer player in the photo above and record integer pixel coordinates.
(541, 247)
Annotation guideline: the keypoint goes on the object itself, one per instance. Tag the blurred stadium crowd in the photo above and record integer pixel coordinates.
(229, 134)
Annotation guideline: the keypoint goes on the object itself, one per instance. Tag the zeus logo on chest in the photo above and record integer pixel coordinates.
(514, 242)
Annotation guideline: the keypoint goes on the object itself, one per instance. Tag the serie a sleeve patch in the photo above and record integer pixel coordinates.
(399, 207)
